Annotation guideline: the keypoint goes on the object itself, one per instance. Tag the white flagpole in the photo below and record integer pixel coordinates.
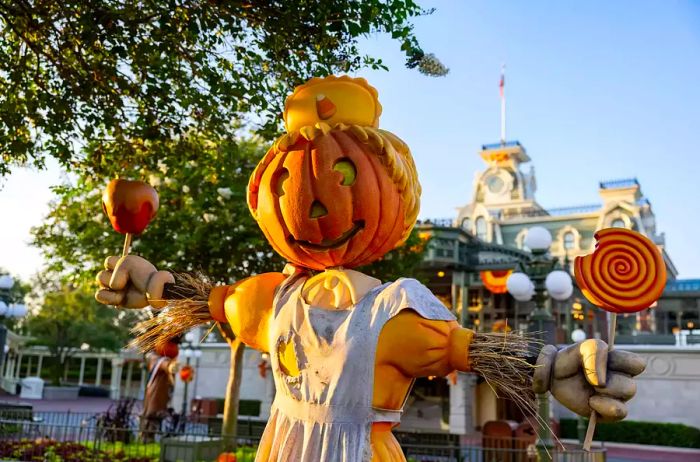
(503, 104)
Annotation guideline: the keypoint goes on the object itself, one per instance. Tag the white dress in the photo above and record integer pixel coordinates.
(325, 412)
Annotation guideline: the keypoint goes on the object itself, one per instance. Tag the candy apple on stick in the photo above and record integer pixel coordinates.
(130, 206)
(624, 274)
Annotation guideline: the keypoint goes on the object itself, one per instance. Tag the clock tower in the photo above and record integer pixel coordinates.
(500, 190)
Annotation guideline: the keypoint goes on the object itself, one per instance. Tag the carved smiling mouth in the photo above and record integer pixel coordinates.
(330, 243)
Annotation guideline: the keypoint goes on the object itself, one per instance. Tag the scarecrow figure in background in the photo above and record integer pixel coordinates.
(336, 192)
(162, 365)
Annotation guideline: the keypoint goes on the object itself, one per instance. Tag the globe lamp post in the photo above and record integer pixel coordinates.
(540, 278)
(8, 309)
(190, 351)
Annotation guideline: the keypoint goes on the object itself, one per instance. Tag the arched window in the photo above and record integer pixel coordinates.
(618, 223)
(569, 240)
(467, 225)
(481, 229)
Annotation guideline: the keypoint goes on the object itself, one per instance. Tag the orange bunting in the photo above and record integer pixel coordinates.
(624, 274)
(495, 281)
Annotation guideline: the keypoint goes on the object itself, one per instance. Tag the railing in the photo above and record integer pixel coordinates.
(621, 183)
(29, 437)
(507, 144)
(557, 211)
(52, 436)
(445, 222)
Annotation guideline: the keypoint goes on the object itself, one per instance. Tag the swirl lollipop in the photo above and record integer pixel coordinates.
(624, 274)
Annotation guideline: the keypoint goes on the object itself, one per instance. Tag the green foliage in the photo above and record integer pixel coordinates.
(401, 262)
(203, 223)
(70, 317)
(630, 431)
(74, 72)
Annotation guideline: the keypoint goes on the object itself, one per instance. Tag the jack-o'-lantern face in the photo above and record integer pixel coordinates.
(329, 202)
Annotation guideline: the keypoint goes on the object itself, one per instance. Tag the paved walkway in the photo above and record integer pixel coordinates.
(624, 452)
(82, 405)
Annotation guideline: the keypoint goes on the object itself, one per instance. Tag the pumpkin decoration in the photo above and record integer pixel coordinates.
(495, 281)
(501, 325)
(168, 349)
(187, 373)
(227, 457)
(328, 195)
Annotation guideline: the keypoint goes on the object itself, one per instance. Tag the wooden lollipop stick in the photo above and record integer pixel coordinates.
(127, 244)
(594, 416)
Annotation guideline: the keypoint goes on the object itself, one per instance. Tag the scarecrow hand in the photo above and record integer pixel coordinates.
(132, 282)
(586, 377)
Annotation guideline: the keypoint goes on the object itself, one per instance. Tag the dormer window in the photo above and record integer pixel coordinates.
(481, 228)
(467, 225)
(618, 223)
(569, 240)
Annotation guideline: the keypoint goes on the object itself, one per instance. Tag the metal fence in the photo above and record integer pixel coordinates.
(451, 448)
(27, 435)
(77, 437)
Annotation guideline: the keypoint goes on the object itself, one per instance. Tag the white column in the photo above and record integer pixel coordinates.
(98, 375)
(39, 364)
(116, 380)
(462, 395)
(19, 366)
(82, 371)
(9, 366)
(142, 385)
(29, 366)
(129, 372)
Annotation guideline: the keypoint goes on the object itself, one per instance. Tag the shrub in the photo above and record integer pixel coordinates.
(630, 431)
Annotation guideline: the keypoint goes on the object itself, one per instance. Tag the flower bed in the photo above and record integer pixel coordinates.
(55, 451)
(46, 450)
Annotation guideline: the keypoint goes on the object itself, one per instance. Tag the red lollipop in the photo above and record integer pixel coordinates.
(625, 274)
(130, 207)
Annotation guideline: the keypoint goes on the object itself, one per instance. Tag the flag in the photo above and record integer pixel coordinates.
(502, 84)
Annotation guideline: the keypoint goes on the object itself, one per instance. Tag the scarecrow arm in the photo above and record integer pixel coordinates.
(420, 347)
(246, 306)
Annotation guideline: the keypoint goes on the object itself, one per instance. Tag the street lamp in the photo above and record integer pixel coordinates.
(197, 356)
(190, 350)
(540, 278)
(8, 309)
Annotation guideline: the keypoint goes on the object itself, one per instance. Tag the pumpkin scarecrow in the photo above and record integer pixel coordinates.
(334, 193)
(162, 363)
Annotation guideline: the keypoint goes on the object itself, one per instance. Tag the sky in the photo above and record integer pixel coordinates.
(595, 90)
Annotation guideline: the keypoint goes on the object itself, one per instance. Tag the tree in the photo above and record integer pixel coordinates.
(75, 72)
(70, 318)
(203, 223)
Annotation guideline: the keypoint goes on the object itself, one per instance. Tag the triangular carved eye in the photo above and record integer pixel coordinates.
(282, 176)
(318, 210)
(346, 168)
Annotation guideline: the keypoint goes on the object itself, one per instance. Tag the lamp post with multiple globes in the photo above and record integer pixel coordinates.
(541, 278)
(8, 309)
(189, 351)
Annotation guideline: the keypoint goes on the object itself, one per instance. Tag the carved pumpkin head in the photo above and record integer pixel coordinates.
(335, 196)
